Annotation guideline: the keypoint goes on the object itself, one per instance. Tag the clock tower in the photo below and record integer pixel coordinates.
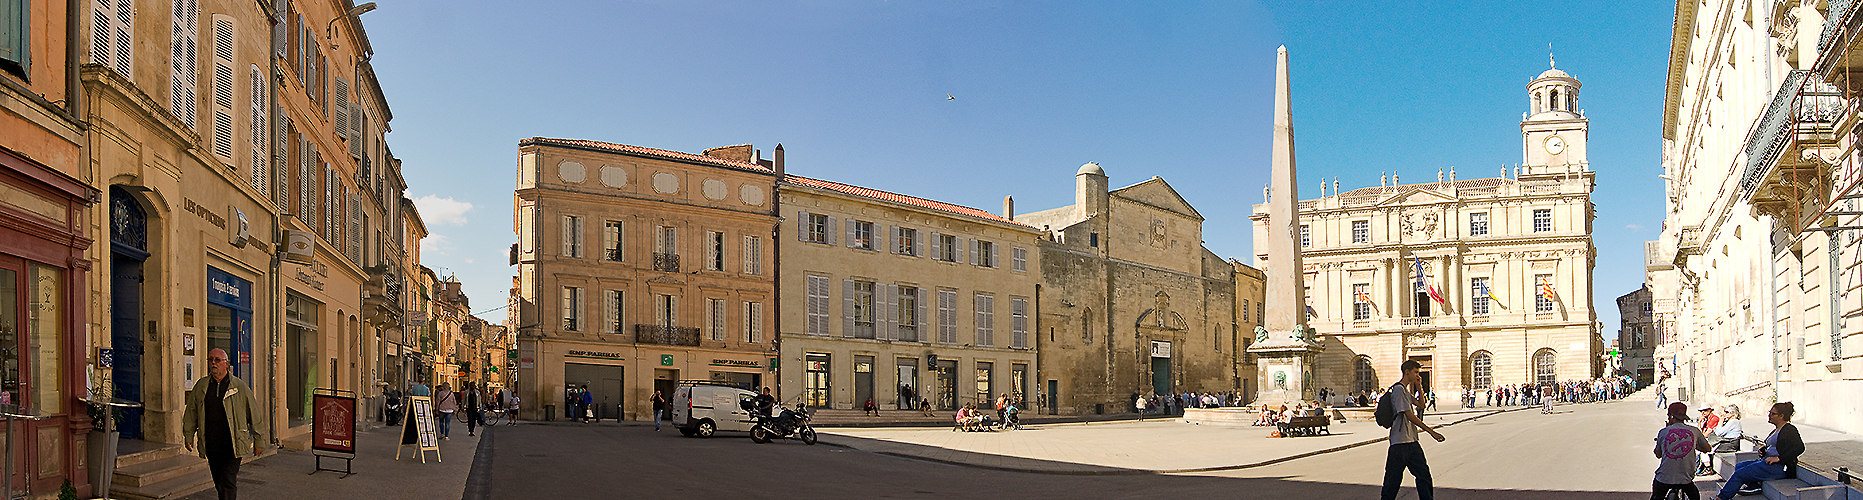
(1553, 131)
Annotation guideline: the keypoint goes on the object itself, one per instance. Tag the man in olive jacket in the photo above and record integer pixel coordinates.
(222, 420)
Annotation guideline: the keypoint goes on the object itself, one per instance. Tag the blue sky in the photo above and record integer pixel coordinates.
(856, 92)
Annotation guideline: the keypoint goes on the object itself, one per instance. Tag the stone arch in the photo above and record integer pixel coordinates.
(1545, 366)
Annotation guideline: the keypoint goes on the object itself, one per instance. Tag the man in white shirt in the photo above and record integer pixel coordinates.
(1405, 452)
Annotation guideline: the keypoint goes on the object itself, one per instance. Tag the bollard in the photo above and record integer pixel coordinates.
(549, 413)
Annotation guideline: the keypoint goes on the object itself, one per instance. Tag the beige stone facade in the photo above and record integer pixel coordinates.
(1509, 260)
(1251, 293)
(1134, 302)
(1755, 281)
(901, 300)
(639, 267)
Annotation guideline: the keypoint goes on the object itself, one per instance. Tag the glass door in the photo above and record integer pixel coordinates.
(12, 305)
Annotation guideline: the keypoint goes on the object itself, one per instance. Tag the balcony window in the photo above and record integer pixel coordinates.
(572, 308)
(861, 235)
(714, 250)
(908, 314)
(861, 310)
(612, 233)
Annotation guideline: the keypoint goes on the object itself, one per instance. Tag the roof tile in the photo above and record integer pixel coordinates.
(646, 151)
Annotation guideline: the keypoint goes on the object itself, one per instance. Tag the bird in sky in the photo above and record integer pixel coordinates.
(950, 97)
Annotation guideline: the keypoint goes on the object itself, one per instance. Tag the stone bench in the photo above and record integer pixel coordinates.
(1305, 426)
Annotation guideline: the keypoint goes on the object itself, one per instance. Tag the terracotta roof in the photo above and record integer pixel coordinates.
(897, 198)
(645, 151)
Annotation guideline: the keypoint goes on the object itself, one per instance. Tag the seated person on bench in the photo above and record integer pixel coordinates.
(1722, 438)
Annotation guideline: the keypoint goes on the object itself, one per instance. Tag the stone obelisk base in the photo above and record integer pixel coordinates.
(1285, 373)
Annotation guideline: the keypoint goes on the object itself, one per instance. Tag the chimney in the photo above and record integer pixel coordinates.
(1009, 207)
(779, 161)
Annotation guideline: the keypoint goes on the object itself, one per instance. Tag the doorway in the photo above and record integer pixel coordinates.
(1054, 397)
(606, 382)
(815, 368)
(666, 381)
(908, 383)
(129, 247)
(1161, 375)
(1426, 361)
(863, 381)
(947, 384)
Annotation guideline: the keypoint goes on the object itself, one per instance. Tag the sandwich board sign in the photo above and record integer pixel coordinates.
(417, 430)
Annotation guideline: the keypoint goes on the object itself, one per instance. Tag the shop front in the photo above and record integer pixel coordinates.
(43, 270)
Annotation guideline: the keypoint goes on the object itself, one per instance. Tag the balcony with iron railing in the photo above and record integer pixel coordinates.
(1838, 45)
(1803, 115)
(666, 335)
(666, 262)
(613, 254)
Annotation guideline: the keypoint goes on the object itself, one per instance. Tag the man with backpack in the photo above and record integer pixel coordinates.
(1400, 410)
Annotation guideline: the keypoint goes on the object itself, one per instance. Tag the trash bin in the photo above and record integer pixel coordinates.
(549, 413)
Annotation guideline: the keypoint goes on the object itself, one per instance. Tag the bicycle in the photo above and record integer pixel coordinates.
(494, 416)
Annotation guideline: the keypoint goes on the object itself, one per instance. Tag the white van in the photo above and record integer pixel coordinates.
(702, 408)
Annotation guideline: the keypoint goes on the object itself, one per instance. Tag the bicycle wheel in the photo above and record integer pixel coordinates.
(493, 417)
(460, 415)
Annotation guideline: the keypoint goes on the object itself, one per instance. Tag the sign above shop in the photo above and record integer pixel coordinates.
(1160, 349)
(203, 212)
(594, 355)
(666, 360)
(737, 363)
(300, 246)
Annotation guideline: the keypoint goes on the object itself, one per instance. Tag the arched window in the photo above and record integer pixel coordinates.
(1482, 366)
(1554, 102)
(1545, 369)
(1364, 378)
(129, 226)
(1538, 103)
(1086, 326)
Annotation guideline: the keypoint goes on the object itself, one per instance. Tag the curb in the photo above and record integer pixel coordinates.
(1150, 472)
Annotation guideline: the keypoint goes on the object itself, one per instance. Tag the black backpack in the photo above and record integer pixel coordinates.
(1386, 414)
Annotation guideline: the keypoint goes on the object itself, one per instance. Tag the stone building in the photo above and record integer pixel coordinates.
(1637, 336)
(1755, 280)
(640, 267)
(1251, 292)
(238, 190)
(1134, 301)
(899, 299)
(1484, 281)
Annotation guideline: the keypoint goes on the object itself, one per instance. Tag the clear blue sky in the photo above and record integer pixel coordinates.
(856, 92)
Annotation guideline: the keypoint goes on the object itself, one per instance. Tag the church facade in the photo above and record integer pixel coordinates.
(1130, 301)
(1485, 281)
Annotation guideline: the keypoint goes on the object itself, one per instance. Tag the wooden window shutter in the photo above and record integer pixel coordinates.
(184, 62)
(892, 312)
(256, 87)
(281, 163)
(850, 231)
(341, 118)
(937, 244)
(893, 247)
(223, 37)
(847, 308)
(355, 125)
(16, 34)
(829, 231)
(802, 226)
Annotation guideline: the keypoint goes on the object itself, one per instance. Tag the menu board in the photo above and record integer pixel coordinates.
(417, 429)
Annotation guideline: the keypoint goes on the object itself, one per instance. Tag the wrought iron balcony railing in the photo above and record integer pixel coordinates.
(666, 335)
(613, 254)
(1803, 106)
(666, 262)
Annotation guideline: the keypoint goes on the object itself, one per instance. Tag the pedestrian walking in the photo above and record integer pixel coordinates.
(588, 405)
(471, 399)
(444, 404)
(659, 405)
(1405, 452)
(1140, 404)
(1677, 445)
(221, 423)
(1662, 395)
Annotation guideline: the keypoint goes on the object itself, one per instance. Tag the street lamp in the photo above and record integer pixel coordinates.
(356, 12)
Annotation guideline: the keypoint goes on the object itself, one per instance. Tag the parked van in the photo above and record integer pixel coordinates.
(702, 408)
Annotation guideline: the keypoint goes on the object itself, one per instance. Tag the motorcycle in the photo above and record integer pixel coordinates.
(786, 424)
(393, 408)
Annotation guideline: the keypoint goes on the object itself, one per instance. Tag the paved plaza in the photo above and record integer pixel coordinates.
(1582, 451)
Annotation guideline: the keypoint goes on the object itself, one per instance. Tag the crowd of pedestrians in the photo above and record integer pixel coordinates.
(1571, 391)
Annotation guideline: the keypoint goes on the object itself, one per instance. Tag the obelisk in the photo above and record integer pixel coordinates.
(1283, 347)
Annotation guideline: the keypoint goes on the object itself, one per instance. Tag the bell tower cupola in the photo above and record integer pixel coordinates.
(1553, 130)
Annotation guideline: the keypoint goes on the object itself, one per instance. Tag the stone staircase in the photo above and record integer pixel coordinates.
(159, 473)
(1809, 485)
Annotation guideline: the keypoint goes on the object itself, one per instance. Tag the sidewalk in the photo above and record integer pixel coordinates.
(1116, 448)
(287, 474)
(1825, 449)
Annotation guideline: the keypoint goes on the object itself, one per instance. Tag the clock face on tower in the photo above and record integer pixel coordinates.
(1555, 145)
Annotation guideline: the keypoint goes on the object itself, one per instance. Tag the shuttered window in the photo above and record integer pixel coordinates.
(753, 255)
(282, 162)
(818, 305)
(184, 61)
(613, 306)
(223, 32)
(341, 120)
(16, 35)
(947, 316)
(112, 34)
(572, 236)
(986, 320)
(753, 322)
(715, 316)
(260, 160)
(1019, 323)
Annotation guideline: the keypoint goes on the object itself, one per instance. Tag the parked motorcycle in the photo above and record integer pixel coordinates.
(393, 408)
(786, 424)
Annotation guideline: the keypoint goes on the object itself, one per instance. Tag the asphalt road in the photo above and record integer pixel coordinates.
(1596, 451)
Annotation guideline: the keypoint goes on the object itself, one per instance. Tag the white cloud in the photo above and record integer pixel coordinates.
(436, 211)
(1634, 227)
(435, 245)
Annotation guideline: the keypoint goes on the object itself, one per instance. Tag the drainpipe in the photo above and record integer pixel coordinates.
(73, 88)
(277, 284)
(1040, 387)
